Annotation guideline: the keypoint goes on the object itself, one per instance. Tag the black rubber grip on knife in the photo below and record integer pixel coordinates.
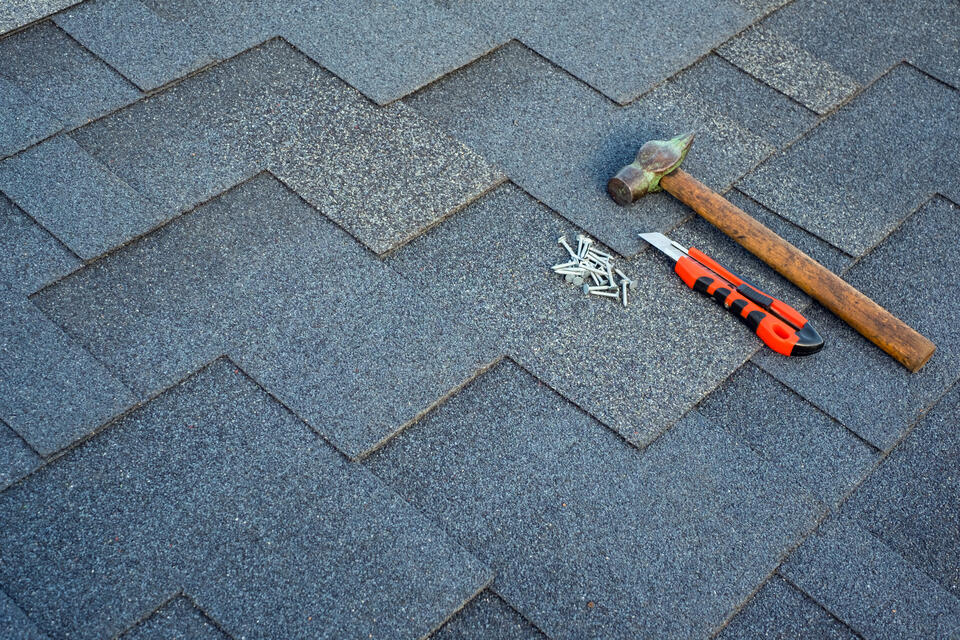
(754, 296)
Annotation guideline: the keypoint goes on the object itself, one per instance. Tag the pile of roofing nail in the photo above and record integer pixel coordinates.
(593, 270)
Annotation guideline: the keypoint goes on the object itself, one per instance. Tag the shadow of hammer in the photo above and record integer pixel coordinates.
(657, 167)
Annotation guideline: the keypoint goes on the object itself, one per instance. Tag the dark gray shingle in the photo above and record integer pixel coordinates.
(24, 121)
(780, 612)
(788, 431)
(561, 141)
(215, 488)
(62, 77)
(488, 616)
(178, 619)
(856, 176)
(134, 40)
(14, 624)
(588, 536)
(911, 501)
(80, 201)
(871, 588)
(853, 380)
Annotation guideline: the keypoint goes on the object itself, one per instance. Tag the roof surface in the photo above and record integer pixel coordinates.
(281, 355)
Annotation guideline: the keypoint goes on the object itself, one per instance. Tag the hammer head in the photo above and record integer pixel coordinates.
(655, 159)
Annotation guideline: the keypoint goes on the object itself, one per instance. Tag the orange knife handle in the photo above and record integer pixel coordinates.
(774, 332)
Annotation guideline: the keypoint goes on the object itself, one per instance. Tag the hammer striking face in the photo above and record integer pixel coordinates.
(655, 159)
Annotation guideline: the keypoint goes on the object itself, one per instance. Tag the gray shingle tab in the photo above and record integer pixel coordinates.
(857, 175)
(588, 536)
(630, 50)
(853, 380)
(310, 313)
(561, 141)
(911, 501)
(762, 110)
(24, 121)
(789, 68)
(16, 13)
(864, 39)
(216, 488)
(778, 611)
(134, 40)
(276, 110)
(871, 588)
(637, 369)
(65, 79)
(29, 256)
(14, 624)
(17, 459)
(79, 200)
(52, 391)
(178, 619)
(488, 616)
(784, 429)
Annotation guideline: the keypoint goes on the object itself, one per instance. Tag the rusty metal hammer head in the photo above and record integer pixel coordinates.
(655, 159)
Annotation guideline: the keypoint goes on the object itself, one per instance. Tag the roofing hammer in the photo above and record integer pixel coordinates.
(657, 168)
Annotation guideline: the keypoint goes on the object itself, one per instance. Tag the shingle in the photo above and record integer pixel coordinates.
(16, 13)
(911, 501)
(790, 432)
(869, 587)
(759, 108)
(856, 176)
(24, 121)
(384, 49)
(61, 76)
(272, 108)
(52, 391)
(14, 625)
(789, 68)
(29, 256)
(864, 39)
(309, 312)
(561, 141)
(79, 200)
(637, 369)
(629, 51)
(17, 459)
(134, 40)
(178, 619)
(778, 611)
(853, 380)
(215, 488)
(416, 177)
(226, 28)
(488, 616)
(588, 536)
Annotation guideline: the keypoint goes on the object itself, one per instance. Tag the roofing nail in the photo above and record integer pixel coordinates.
(562, 240)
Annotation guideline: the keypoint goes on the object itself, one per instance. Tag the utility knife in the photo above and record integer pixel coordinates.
(780, 326)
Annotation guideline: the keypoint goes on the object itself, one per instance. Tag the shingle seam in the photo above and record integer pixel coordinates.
(824, 515)
(856, 485)
(141, 236)
(822, 606)
(114, 419)
(50, 233)
(447, 395)
(50, 633)
(148, 614)
(4, 424)
(473, 597)
(497, 593)
(144, 94)
(24, 27)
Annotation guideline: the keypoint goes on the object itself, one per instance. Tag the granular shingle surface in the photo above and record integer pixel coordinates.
(282, 354)
(870, 587)
(587, 536)
(240, 505)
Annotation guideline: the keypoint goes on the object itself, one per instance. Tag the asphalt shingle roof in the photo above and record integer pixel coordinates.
(281, 355)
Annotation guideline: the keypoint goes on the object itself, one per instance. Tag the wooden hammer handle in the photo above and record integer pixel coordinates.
(875, 323)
